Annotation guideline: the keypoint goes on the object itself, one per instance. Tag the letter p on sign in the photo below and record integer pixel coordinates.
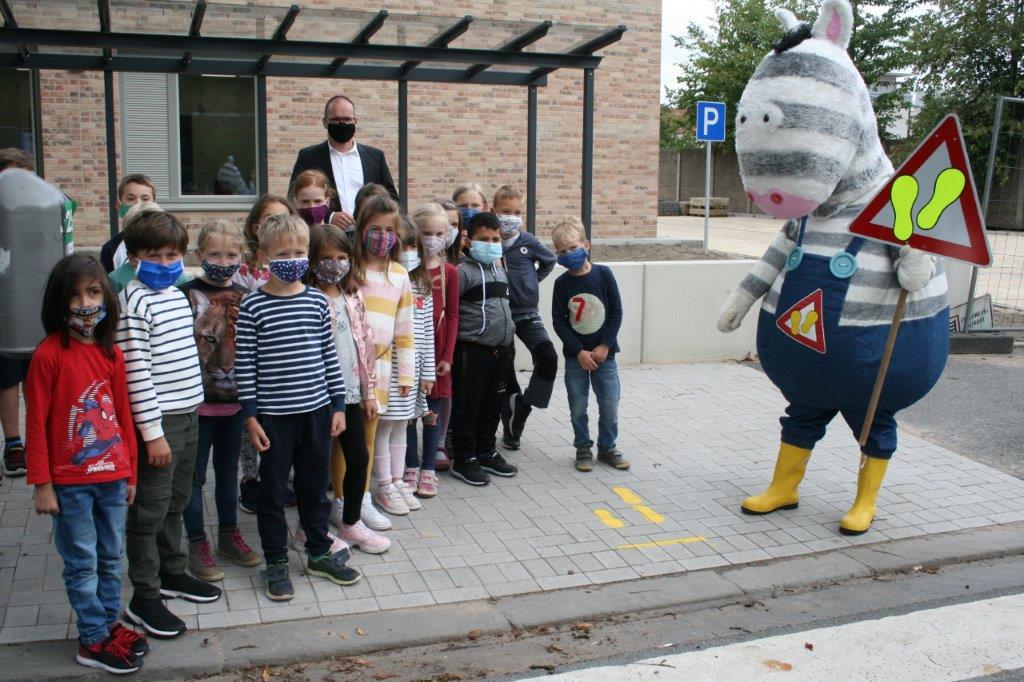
(710, 121)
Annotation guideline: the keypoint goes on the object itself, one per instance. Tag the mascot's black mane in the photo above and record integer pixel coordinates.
(793, 37)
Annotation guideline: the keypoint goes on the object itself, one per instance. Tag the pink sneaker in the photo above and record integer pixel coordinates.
(299, 541)
(363, 538)
(411, 478)
(428, 484)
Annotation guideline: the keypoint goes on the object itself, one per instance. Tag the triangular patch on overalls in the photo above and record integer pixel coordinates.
(805, 322)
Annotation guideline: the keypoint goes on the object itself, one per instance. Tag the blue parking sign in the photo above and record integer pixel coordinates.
(710, 121)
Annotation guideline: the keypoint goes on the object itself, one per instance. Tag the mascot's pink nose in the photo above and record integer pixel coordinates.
(780, 204)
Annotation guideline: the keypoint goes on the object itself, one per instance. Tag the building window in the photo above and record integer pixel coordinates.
(195, 136)
(17, 127)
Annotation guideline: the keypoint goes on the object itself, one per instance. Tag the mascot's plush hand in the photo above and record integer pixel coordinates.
(734, 310)
(914, 269)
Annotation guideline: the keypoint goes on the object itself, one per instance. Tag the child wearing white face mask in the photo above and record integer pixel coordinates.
(528, 262)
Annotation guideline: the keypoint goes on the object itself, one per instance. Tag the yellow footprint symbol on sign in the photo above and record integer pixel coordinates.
(802, 325)
(949, 185)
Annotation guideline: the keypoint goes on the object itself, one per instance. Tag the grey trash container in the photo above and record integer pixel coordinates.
(36, 231)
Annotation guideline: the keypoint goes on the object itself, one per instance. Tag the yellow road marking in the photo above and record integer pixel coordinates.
(608, 519)
(649, 514)
(663, 543)
(627, 495)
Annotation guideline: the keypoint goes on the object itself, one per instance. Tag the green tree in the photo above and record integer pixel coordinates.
(967, 54)
(720, 60)
(673, 133)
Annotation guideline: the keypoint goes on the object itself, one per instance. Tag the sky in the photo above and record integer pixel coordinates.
(676, 14)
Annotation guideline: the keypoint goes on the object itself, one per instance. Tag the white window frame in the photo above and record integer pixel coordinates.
(171, 197)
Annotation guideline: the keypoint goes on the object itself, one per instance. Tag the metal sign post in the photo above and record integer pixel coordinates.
(710, 128)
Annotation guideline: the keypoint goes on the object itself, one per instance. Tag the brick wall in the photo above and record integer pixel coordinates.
(456, 132)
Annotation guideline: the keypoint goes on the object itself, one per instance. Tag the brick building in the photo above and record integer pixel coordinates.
(195, 135)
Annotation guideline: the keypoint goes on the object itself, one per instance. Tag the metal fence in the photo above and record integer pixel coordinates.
(1002, 284)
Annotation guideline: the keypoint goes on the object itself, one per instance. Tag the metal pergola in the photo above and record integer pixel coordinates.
(39, 35)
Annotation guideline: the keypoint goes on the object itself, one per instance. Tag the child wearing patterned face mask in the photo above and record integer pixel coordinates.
(385, 286)
(214, 298)
(293, 396)
(331, 256)
(311, 193)
(84, 476)
(433, 224)
(470, 200)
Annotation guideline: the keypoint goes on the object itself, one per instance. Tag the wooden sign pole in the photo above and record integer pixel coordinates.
(883, 369)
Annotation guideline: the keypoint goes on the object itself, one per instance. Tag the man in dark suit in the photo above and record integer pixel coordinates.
(346, 164)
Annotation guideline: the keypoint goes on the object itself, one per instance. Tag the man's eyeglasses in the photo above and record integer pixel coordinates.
(341, 120)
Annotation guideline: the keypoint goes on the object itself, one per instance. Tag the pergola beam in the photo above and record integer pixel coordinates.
(364, 35)
(280, 35)
(517, 44)
(441, 40)
(193, 30)
(588, 48)
(9, 21)
(236, 67)
(103, 8)
(234, 47)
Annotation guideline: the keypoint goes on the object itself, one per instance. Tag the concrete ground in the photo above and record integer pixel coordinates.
(701, 437)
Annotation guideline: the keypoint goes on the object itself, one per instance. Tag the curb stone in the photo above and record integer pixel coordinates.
(231, 649)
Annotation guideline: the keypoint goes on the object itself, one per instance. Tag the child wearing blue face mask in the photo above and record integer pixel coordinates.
(484, 343)
(586, 311)
(165, 387)
(127, 271)
(292, 393)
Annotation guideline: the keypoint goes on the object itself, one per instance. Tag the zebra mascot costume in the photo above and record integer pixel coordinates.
(809, 152)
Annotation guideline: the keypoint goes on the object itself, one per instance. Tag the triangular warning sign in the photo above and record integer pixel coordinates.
(931, 202)
(805, 322)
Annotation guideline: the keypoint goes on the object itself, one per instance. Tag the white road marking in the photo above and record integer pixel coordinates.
(947, 643)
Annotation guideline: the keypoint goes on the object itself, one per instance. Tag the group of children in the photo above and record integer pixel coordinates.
(311, 355)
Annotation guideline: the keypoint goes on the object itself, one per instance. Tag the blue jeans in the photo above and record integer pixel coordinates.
(223, 435)
(605, 380)
(89, 535)
(432, 435)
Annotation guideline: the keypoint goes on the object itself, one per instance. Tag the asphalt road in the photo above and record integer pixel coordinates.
(977, 410)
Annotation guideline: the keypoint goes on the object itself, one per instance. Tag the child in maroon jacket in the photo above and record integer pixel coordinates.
(81, 454)
(433, 222)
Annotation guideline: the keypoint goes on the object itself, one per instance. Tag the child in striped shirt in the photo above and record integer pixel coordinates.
(293, 396)
(164, 388)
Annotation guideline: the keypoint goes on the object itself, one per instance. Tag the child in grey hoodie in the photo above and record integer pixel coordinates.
(485, 338)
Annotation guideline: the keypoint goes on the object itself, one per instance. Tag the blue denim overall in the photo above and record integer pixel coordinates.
(817, 385)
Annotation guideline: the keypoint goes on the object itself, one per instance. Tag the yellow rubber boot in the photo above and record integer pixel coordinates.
(782, 493)
(869, 480)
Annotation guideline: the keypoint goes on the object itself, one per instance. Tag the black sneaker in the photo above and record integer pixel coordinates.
(248, 492)
(188, 588)
(332, 567)
(613, 458)
(111, 655)
(152, 615)
(509, 441)
(520, 413)
(14, 461)
(495, 464)
(136, 642)
(470, 472)
(584, 458)
(279, 585)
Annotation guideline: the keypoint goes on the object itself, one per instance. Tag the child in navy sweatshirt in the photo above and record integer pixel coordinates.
(586, 311)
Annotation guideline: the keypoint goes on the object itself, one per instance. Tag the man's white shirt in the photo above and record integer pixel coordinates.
(348, 176)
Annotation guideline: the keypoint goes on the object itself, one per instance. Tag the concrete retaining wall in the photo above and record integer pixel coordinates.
(669, 312)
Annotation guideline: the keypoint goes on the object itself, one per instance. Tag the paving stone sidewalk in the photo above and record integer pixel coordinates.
(701, 437)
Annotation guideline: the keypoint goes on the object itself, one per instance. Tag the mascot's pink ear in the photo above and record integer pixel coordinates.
(834, 23)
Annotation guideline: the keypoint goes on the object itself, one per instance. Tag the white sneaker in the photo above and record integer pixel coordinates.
(299, 541)
(369, 515)
(389, 498)
(408, 495)
(336, 509)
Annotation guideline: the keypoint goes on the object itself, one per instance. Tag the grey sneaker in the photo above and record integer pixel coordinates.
(613, 458)
(584, 458)
(201, 562)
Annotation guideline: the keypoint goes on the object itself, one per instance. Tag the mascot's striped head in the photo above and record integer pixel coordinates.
(806, 135)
